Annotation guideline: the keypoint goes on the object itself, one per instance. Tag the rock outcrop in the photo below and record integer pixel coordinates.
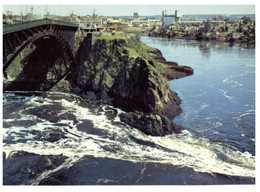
(171, 69)
(151, 124)
(132, 76)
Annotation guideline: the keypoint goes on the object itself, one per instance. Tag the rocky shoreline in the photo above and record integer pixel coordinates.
(202, 37)
(124, 72)
(172, 69)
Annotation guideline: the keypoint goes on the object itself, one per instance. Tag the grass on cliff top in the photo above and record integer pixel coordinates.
(137, 48)
(140, 49)
(132, 52)
(111, 37)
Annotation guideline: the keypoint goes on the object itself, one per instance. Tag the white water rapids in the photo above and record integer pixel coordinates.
(28, 127)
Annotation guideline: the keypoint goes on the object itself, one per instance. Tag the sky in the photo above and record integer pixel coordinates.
(127, 10)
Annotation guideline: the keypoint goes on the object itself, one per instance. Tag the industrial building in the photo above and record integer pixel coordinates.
(136, 15)
(171, 18)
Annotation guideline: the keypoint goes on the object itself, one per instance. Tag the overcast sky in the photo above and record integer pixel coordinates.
(120, 10)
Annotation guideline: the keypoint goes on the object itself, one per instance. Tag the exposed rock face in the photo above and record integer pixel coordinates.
(142, 88)
(171, 70)
(133, 84)
(151, 124)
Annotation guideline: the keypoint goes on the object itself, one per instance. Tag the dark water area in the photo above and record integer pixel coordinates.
(218, 101)
(62, 139)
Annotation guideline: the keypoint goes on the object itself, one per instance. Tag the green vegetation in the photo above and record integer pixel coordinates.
(111, 37)
(134, 45)
(137, 48)
(140, 48)
(16, 67)
(62, 85)
(109, 80)
(132, 52)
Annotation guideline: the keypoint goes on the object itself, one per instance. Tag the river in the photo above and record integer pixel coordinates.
(63, 139)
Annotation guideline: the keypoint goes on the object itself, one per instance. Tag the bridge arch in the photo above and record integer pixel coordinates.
(49, 61)
(46, 34)
(16, 37)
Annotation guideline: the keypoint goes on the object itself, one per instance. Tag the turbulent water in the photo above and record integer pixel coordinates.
(63, 139)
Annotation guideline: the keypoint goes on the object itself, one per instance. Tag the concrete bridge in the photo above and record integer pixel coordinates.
(17, 36)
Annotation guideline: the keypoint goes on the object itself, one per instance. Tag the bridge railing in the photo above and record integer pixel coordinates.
(29, 24)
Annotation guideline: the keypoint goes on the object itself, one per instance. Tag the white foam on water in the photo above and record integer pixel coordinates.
(246, 114)
(233, 82)
(241, 116)
(106, 180)
(203, 106)
(225, 94)
(203, 158)
(217, 124)
(179, 150)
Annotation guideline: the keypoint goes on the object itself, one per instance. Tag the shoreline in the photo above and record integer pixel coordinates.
(231, 43)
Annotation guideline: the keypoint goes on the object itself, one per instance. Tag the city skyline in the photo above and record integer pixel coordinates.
(128, 10)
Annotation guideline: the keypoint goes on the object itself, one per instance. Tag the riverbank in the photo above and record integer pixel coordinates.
(232, 32)
(220, 38)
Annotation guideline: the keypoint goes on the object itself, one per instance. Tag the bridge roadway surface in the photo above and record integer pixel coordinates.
(30, 24)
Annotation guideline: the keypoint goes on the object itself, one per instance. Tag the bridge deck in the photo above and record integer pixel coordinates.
(26, 25)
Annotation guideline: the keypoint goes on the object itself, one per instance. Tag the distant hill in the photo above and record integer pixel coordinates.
(200, 17)
(197, 17)
(211, 16)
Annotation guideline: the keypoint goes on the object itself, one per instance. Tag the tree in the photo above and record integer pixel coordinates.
(207, 26)
(227, 20)
(246, 20)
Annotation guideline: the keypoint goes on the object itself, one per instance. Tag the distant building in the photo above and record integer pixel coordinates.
(39, 16)
(171, 18)
(9, 13)
(118, 26)
(154, 22)
(139, 22)
(178, 16)
(94, 14)
(178, 13)
(136, 15)
(111, 20)
(218, 18)
(30, 15)
(90, 21)
(167, 19)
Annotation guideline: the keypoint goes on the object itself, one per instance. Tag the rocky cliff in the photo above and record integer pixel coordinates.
(124, 72)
